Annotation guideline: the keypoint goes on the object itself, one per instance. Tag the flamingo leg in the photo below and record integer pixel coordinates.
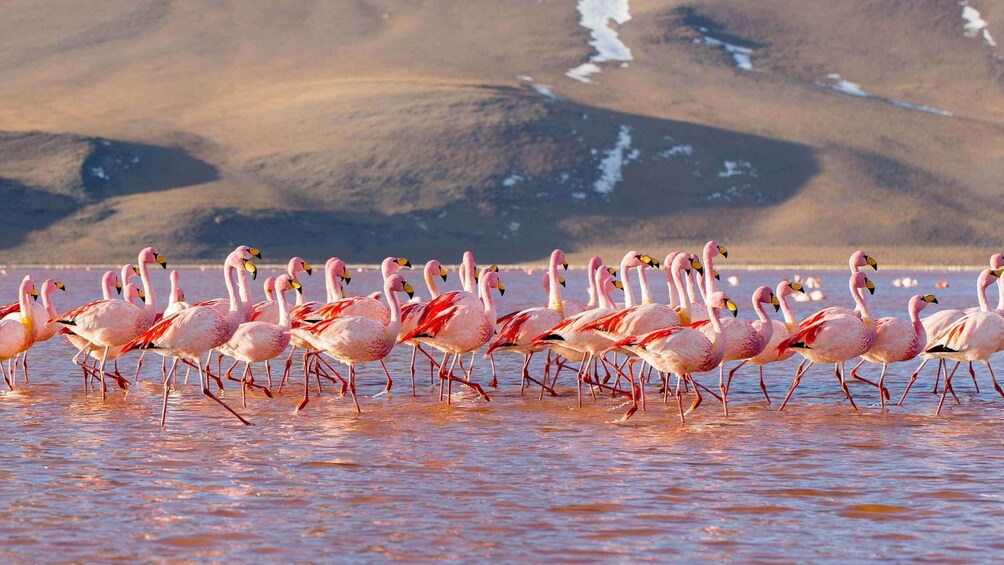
(244, 385)
(167, 392)
(880, 381)
(697, 393)
(495, 380)
(679, 398)
(352, 388)
(449, 383)
(306, 387)
(794, 383)
(972, 375)
(948, 382)
(389, 381)
(414, 354)
(525, 374)
(843, 383)
(913, 377)
(993, 379)
(728, 383)
(204, 382)
(139, 365)
(268, 373)
(884, 393)
(470, 372)
(722, 388)
(763, 387)
(101, 373)
(24, 366)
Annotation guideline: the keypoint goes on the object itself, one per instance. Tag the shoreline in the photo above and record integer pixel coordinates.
(747, 267)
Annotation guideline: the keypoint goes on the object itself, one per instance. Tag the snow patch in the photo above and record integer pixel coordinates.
(596, 15)
(513, 226)
(545, 91)
(100, 173)
(919, 108)
(512, 180)
(684, 150)
(736, 168)
(579, 195)
(975, 24)
(741, 55)
(844, 86)
(613, 163)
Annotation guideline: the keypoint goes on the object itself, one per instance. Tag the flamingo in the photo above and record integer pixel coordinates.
(131, 293)
(973, 337)
(268, 311)
(359, 339)
(44, 328)
(176, 301)
(744, 339)
(110, 286)
(781, 332)
(457, 323)
(571, 339)
(573, 307)
(834, 335)
(111, 323)
(412, 312)
(682, 350)
(17, 331)
(518, 332)
(897, 339)
(366, 306)
(197, 330)
(259, 340)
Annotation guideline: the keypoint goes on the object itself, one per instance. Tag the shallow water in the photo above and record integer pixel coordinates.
(514, 480)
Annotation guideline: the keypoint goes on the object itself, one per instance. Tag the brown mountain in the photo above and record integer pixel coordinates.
(789, 130)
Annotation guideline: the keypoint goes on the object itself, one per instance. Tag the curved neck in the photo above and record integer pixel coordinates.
(47, 302)
(489, 304)
(151, 298)
(228, 279)
(554, 293)
(244, 288)
(674, 300)
(280, 298)
(918, 328)
(678, 283)
(329, 283)
(709, 274)
(108, 286)
(646, 294)
(789, 317)
(25, 304)
(702, 288)
(467, 275)
(605, 300)
(981, 291)
(593, 295)
(859, 300)
(430, 281)
(715, 322)
(628, 292)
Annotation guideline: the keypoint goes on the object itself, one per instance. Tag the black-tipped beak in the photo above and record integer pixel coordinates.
(501, 289)
(161, 260)
(561, 282)
(565, 265)
(61, 286)
(612, 271)
(118, 287)
(717, 276)
(308, 269)
(871, 261)
(255, 252)
(34, 295)
(777, 307)
(346, 278)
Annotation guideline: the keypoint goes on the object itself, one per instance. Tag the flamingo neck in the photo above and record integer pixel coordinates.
(25, 304)
(981, 291)
(173, 296)
(430, 281)
(228, 279)
(329, 282)
(628, 291)
(918, 328)
(593, 295)
(284, 321)
(605, 300)
(709, 274)
(646, 293)
(766, 328)
(395, 314)
(1000, 295)
(691, 294)
(554, 293)
(789, 317)
(244, 288)
(489, 302)
(47, 302)
(715, 323)
(674, 300)
(150, 300)
(467, 273)
(678, 283)
(108, 285)
(861, 305)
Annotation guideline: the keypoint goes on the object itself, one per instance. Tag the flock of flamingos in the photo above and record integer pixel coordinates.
(601, 341)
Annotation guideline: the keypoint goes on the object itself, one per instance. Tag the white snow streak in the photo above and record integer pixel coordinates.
(975, 24)
(596, 15)
(612, 165)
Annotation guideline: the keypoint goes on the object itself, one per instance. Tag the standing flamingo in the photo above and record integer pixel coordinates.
(412, 312)
(834, 335)
(17, 332)
(197, 330)
(573, 307)
(366, 306)
(44, 327)
(259, 340)
(176, 301)
(268, 311)
(682, 351)
(898, 340)
(111, 323)
(457, 323)
(781, 332)
(359, 339)
(518, 332)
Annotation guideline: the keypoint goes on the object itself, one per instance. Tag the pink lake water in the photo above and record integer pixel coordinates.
(517, 479)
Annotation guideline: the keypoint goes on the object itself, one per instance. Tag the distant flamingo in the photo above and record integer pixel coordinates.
(682, 351)
(359, 339)
(197, 330)
(518, 332)
(457, 323)
(17, 332)
(834, 335)
(111, 323)
(897, 339)
(259, 340)
(176, 301)
(573, 307)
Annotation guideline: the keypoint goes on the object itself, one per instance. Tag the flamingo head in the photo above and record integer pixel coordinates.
(248, 253)
(269, 286)
(28, 287)
(786, 288)
(339, 269)
(558, 258)
(594, 263)
(396, 283)
(720, 301)
(996, 261)
(132, 292)
(764, 295)
(667, 263)
(434, 269)
(174, 277)
(713, 249)
(50, 286)
(859, 259)
(285, 282)
(490, 279)
(110, 279)
(493, 268)
(149, 256)
(859, 280)
(129, 271)
(297, 265)
(695, 265)
(181, 295)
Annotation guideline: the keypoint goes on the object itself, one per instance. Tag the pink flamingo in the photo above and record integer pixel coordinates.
(457, 323)
(682, 351)
(744, 339)
(176, 301)
(112, 323)
(518, 332)
(197, 330)
(130, 294)
(268, 311)
(898, 340)
(573, 307)
(44, 328)
(259, 340)
(571, 339)
(17, 331)
(834, 335)
(781, 332)
(366, 306)
(412, 312)
(359, 339)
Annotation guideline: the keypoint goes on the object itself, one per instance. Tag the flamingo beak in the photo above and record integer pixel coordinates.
(160, 260)
(564, 264)
(347, 277)
(34, 294)
(501, 288)
(775, 302)
(251, 268)
(697, 266)
(870, 285)
(930, 299)
(141, 294)
(723, 251)
(732, 307)
(442, 273)
(871, 261)
(619, 284)
(409, 290)
(561, 281)
(297, 286)
(118, 287)
(404, 262)
(797, 287)
(717, 276)
(254, 252)
(612, 271)
(61, 286)
(136, 270)
(494, 268)
(308, 269)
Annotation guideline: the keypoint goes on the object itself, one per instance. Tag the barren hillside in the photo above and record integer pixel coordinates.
(788, 129)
